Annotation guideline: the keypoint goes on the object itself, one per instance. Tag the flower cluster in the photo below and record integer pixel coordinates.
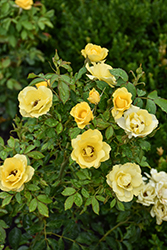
(154, 193)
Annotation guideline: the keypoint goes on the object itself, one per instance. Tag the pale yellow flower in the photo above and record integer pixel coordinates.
(89, 150)
(125, 180)
(82, 114)
(137, 122)
(34, 102)
(161, 191)
(147, 194)
(122, 101)
(94, 52)
(14, 173)
(160, 211)
(101, 72)
(44, 83)
(94, 96)
(158, 176)
(24, 4)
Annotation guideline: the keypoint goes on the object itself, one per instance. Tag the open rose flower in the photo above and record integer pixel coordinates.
(122, 100)
(137, 122)
(94, 52)
(147, 194)
(34, 102)
(89, 150)
(94, 96)
(160, 211)
(101, 72)
(24, 4)
(14, 173)
(125, 180)
(82, 114)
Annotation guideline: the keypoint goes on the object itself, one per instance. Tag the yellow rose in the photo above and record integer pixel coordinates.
(94, 52)
(82, 114)
(147, 194)
(94, 97)
(44, 83)
(24, 4)
(101, 72)
(14, 173)
(125, 180)
(137, 122)
(89, 149)
(35, 102)
(160, 211)
(122, 101)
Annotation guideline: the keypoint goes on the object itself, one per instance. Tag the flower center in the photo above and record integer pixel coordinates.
(35, 103)
(121, 103)
(88, 153)
(124, 180)
(137, 124)
(14, 172)
(83, 114)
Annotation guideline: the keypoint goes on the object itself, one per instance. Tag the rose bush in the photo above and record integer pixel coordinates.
(84, 162)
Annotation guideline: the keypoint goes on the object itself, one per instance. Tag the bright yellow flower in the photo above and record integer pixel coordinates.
(44, 83)
(89, 150)
(82, 114)
(101, 72)
(34, 102)
(122, 101)
(24, 4)
(125, 180)
(94, 52)
(137, 122)
(14, 173)
(94, 96)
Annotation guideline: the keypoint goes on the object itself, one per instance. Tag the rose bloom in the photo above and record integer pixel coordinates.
(157, 177)
(147, 194)
(94, 52)
(82, 114)
(14, 173)
(89, 150)
(101, 72)
(34, 102)
(44, 83)
(161, 191)
(122, 101)
(160, 211)
(94, 97)
(24, 4)
(137, 122)
(125, 180)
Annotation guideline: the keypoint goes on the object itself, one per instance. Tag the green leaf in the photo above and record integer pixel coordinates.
(153, 95)
(43, 198)
(74, 132)
(80, 73)
(102, 124)
(33, 205)
(43, 210)
(11, 142)
(69, 202)
(68, 191)
(3, 155)
(64, 91)
(3, 224)
(145, 145)
(27, 25)
(109, 132)
(95, 205)
(32, 187)
(162, 103)
(100, 198)
(119, 73)
(120, 205)
(59, 128)
(141, 92)
(6, 62)
(51, 122)
(36, 155)
(78, 199)
(4, 195)
(18, 197)
(29, 148)
(150, 106)
(14, 238)
(85, 193)
(131, 88)
(1, 141)
(6, 201)
(138, 102)
(112, 203)
(2, 236)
